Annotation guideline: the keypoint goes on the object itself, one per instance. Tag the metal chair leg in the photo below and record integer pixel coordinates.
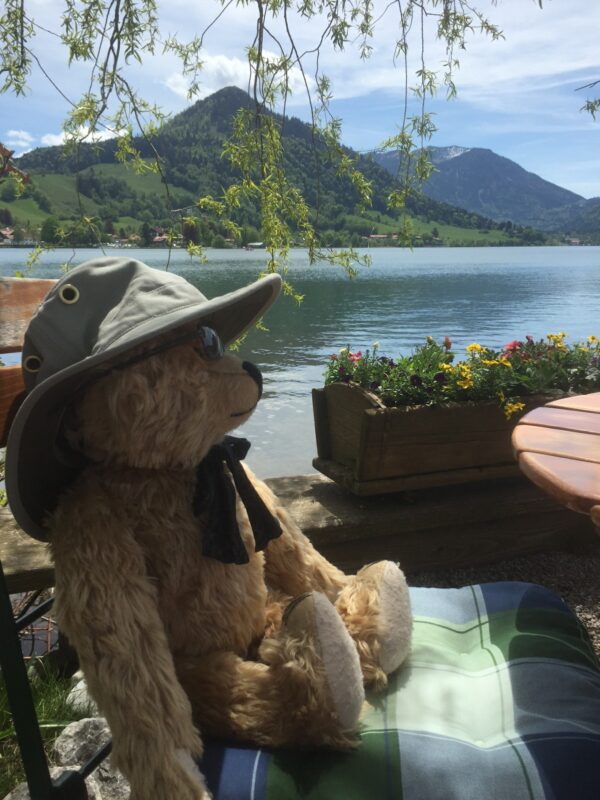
(21, 702)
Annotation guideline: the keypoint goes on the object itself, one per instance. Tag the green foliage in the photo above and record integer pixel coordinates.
(8, 192)
(50, 698)
(50, 231)
(218, 242)
(429, 375)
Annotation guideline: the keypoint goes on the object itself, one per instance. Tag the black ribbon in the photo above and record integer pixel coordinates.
(215, 496)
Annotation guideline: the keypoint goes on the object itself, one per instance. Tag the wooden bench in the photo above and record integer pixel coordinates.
(27, 564)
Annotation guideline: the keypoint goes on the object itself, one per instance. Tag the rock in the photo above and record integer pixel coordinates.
(112, 785)
(81, 740)
(21, 792)
(79, 699)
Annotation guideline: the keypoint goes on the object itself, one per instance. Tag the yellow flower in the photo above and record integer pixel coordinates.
(512, 408)
(490, 362)
(593, 339)
(475, 348)
(446, 367)
(505, 363)
(556, 338)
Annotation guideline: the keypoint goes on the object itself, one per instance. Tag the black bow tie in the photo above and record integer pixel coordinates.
(215, 495)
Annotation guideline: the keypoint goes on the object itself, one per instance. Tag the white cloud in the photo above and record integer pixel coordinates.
(220, 71)
(53, 139)
(56, 139)
(18, 139)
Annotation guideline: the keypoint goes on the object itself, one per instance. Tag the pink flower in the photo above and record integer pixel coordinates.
(512, 346)
(354, 357)
(447, 342)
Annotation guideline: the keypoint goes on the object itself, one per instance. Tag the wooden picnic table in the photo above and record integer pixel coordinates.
(558, 448)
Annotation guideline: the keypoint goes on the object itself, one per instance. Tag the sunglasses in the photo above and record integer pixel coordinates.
(208, 343)
(205, 341)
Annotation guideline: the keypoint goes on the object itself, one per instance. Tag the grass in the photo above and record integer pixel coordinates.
(149, 182)
(50, 698)
(448, 234)
(60, 190)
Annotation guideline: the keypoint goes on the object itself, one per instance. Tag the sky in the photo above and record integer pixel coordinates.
(518, 96)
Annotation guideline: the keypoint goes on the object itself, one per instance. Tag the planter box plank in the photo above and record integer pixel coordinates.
(343, 409)
(371, 449)
(344, 476)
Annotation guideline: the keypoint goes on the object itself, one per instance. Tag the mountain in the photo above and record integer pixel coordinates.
(190, 147)
(481, 181)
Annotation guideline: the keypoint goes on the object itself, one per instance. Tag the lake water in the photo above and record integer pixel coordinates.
(489, 295)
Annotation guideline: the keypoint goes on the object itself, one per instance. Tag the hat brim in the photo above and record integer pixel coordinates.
(36, 469)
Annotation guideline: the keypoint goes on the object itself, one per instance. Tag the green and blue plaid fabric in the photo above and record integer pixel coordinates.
(500, 700)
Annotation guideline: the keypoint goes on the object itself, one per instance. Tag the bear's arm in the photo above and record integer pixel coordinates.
(107, 607)
(292, 564)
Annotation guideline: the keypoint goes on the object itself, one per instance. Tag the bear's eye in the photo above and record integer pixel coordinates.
(208, 344)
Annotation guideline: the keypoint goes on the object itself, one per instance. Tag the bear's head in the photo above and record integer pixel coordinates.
(167, 406)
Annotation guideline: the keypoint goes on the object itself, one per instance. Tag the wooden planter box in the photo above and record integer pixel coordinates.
(370, 449)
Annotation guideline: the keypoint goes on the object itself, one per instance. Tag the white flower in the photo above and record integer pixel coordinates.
(375, 345)
(343, 350)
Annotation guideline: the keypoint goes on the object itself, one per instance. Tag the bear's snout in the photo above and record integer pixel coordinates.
(255, 374)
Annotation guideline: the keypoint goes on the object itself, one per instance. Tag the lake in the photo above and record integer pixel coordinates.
(488, 295)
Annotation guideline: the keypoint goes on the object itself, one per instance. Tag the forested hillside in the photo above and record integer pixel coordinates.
(66, 184)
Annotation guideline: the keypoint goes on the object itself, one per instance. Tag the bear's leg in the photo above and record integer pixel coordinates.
(306, 690)
(375, 607)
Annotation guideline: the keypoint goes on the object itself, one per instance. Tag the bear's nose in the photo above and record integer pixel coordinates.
(255, 374)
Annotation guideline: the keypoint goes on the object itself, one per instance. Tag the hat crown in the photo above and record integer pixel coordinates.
(94, 307)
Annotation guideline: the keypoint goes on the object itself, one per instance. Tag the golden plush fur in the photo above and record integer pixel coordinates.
(168, 638)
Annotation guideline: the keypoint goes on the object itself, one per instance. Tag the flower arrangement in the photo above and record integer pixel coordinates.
(430, 375)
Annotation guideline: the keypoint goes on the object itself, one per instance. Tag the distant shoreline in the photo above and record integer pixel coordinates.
(415, 246)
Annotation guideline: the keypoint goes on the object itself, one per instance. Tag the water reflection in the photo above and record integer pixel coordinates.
(491, 295)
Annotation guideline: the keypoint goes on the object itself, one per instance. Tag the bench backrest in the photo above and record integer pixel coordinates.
(19, 298)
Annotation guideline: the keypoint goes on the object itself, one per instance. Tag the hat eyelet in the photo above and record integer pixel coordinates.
(32, 364)
(69, 294)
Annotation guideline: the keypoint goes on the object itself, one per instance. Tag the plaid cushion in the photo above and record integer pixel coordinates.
(500, 700)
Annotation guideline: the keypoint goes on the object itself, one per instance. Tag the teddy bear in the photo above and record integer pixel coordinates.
(195, 603)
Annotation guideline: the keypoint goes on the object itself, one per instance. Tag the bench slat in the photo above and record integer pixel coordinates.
(12, 391)
(19, 298)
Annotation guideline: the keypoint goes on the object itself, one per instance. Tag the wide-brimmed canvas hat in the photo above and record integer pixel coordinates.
(91, 319)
